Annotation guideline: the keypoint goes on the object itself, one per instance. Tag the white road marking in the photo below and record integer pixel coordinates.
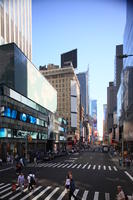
(18, 194)
(84, 165)
(75, 193)
(74, 166)
(85, 195)
(107, 196)
(6, 195)
(4, 186)
(52, 193)
(109, 168)
(115, 168)
(96, 195)
(129, 175)
(99, 167)
(41, 193)
(6, 169)
(5, 190)
(78, 166)
(94, 167)
(28, 195)
(1, 184)
(62, 195)
(60, 165)
(56, 165)
(52, 164)
(70, 165)
(89, 166)
(65, 165)
(104, 167)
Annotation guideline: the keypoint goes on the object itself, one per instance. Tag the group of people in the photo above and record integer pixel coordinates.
(23, 183)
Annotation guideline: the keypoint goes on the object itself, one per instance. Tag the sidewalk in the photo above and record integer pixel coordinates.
(115, 159)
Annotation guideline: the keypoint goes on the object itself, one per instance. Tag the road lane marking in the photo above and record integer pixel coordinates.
(75, 193)
(74, 166)
(18, 194)
(85, 195)
(99, 167)
(56, 165)
(65, 165)
(4, 186)
(84, 165)
(28, 195)
(96, 195)
(129, 175)
(5, 190)
(43, 165)
(104, 167)
(6, 169)
(109, 168)
(6, 195)
(107, 196)
(62, 195)
(94, 167)
(42, 193)
(52, 193)
(70, 165)
(1, 184)
(78, 166)
(47, 165)
(89, 166)
(115, 168)
(52, 164)
(60, 165)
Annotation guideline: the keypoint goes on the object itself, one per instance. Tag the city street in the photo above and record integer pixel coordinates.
(96, 178)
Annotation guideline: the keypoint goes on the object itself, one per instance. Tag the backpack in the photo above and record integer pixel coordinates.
(32, 180)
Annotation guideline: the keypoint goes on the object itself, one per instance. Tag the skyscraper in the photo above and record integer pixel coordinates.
(16, 24)
(84, 90)
(94, 113)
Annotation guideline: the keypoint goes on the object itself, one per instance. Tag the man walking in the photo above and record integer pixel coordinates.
(21, 181)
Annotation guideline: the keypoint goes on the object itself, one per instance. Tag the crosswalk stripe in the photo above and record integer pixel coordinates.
(96, 195)
(1, 184)
(104, 167)
(52, 164)
(41, 193)
(60, 165)
(84, 165)
(115, 168)
(89, 166)
(94, 167)
(46, 165)
(75, 193)
(69, 165)
(78, 166)
(25, 197)
(74, 166)
(65, 165)
(99, 167)
(107, 196)
(56, 165)
(42, 164)
(109, 168)
(18, 194)
(62, 195)
(85, 195)
(6, 195)
(52, 193)
(5, 190)
(4, 186)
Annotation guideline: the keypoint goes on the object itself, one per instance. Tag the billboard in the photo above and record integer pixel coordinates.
(69, 57)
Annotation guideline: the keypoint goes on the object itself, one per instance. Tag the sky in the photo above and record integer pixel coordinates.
(94, 27)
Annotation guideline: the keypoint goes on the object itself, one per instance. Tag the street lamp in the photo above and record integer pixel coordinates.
(124, 56)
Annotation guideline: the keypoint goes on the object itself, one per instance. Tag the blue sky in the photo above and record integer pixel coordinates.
(94, 27)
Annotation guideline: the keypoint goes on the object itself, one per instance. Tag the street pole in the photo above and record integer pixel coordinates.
(122, 148)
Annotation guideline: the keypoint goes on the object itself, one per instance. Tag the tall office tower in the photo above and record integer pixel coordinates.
(65, 81)
(118, 66)
(128, 35)
(84, 91)
(94, 113)
(105, 136)
(16, 24)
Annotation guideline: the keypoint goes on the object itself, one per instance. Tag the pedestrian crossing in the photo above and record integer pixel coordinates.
(85, 166)
(50, 193)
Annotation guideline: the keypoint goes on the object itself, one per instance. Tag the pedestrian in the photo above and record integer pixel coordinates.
(21, 181)
(120, 195)
(67, 183)
(35, 161)
(72, 186)
(18, 167)
(31, 181)
(22, 162)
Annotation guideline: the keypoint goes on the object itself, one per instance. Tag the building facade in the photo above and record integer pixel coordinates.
(105, 135)
(16, 24)
(24, 109)
(84, 91)
(65, 81)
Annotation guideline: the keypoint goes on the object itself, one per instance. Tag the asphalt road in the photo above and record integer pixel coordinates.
(96, 178)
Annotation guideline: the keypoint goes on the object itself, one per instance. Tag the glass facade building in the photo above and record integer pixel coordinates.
(25, 103)
(84, 91)
(16, 24)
